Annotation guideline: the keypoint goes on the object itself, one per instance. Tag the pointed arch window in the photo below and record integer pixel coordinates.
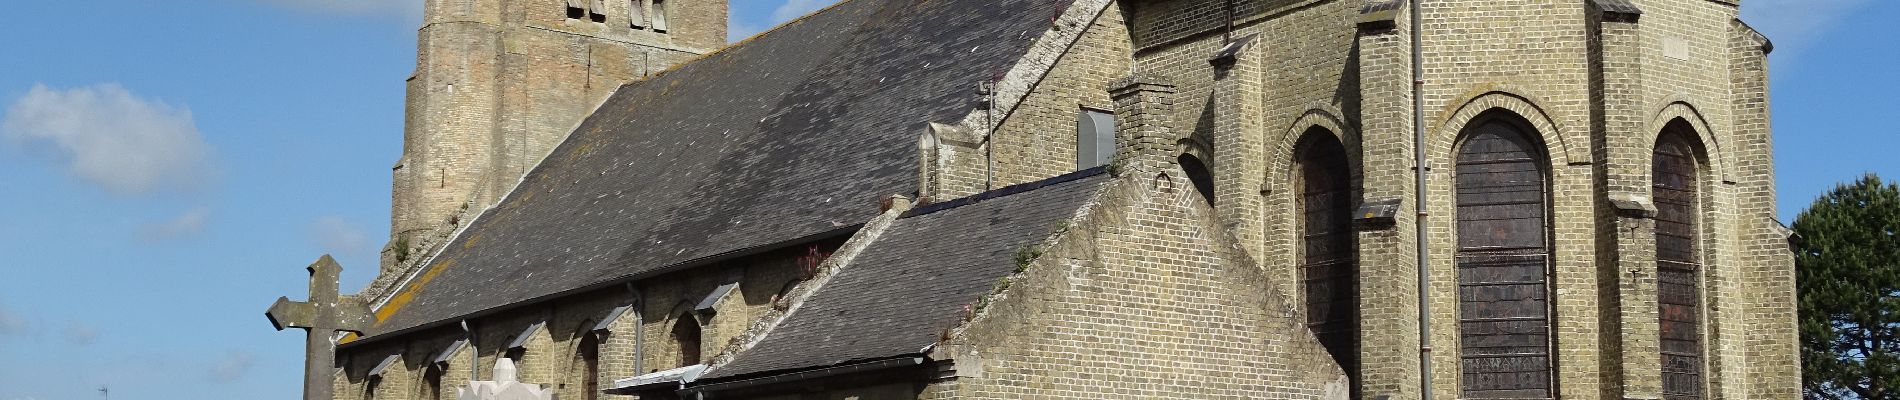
(686, 336)
(1329, 264)
(1503, 262)
(589, 355)
(1678, 264)
(432, 382)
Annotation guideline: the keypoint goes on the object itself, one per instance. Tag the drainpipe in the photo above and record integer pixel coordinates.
(988, 90)
(1420, 171)
(1228, 37)
(474, 355)
(639, 330)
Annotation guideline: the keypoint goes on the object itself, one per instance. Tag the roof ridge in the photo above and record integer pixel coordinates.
(1005, 191)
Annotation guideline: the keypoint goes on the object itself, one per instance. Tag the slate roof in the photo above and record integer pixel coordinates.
(792, 135)
(906, 289)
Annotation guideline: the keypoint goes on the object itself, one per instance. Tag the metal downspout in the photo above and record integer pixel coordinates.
(474, 355)
(640, 330)
(1420, 171)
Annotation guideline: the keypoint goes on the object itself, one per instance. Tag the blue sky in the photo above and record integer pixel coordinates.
(169, 166)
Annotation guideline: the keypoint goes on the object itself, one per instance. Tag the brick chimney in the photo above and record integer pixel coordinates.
(1144, 134)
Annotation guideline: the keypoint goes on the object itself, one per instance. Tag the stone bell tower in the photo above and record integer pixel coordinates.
(499, 83)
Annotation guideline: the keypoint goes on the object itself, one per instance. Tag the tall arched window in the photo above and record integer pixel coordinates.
(1328, 263)
(589, 354)
(432, 382)
(1503, 262)
(1678, 264)
(1198, 173)
(686, 335)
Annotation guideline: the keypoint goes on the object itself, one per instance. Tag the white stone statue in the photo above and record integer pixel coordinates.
(504, 387)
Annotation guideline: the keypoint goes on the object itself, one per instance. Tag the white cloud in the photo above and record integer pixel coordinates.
(190, 223)
(80, 334)
(11, 323)
(110, 137)
(410, 10)
(336, 235)
(232, 367)
(1793, 24)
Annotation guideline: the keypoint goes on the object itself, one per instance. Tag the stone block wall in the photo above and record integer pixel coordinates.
(1037, 140)
(1596, 89)
(499, 83)
(1598, 92)
(639, 342)
(1144, 296)
(1037, 105)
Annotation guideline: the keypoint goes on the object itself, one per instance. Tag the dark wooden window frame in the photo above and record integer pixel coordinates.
(1677, 184)
(1320, 154)
(1497, 255)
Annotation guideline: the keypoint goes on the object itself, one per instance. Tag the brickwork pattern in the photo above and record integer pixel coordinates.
(498, 84)
(639, 342)
(1143, 297)
(1152, 260)
(1598, 91)
(1032, 109)
(1038, 139)
(1388, 258)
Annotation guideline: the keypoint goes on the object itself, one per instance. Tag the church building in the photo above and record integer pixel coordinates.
(1080, 199)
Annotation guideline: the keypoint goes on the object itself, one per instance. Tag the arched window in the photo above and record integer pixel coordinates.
(1678, 266)
(432, 382)
(1503, 262)
(686, 335)
(589, 354)
(1328, 263)
(1197, 172)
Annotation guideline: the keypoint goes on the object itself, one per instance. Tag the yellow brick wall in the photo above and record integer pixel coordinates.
(1142, 298)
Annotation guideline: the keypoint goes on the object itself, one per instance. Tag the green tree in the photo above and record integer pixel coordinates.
(1848, 274)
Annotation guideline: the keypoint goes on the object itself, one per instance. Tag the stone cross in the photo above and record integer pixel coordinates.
(325, 314)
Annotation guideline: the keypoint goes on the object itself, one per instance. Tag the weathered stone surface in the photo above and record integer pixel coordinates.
(499, 83)
(1590, 82)
(322, 317)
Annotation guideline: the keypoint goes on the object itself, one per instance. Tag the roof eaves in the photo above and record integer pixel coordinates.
(1003, 192)
(690, 264)
(787, 376)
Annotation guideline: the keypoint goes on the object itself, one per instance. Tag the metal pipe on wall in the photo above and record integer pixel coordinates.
(639, 330)
(1420, 171)
(474, 355)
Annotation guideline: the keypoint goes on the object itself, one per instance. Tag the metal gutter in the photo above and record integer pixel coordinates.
(1421, 170)
(701, 391)
(676, 267)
